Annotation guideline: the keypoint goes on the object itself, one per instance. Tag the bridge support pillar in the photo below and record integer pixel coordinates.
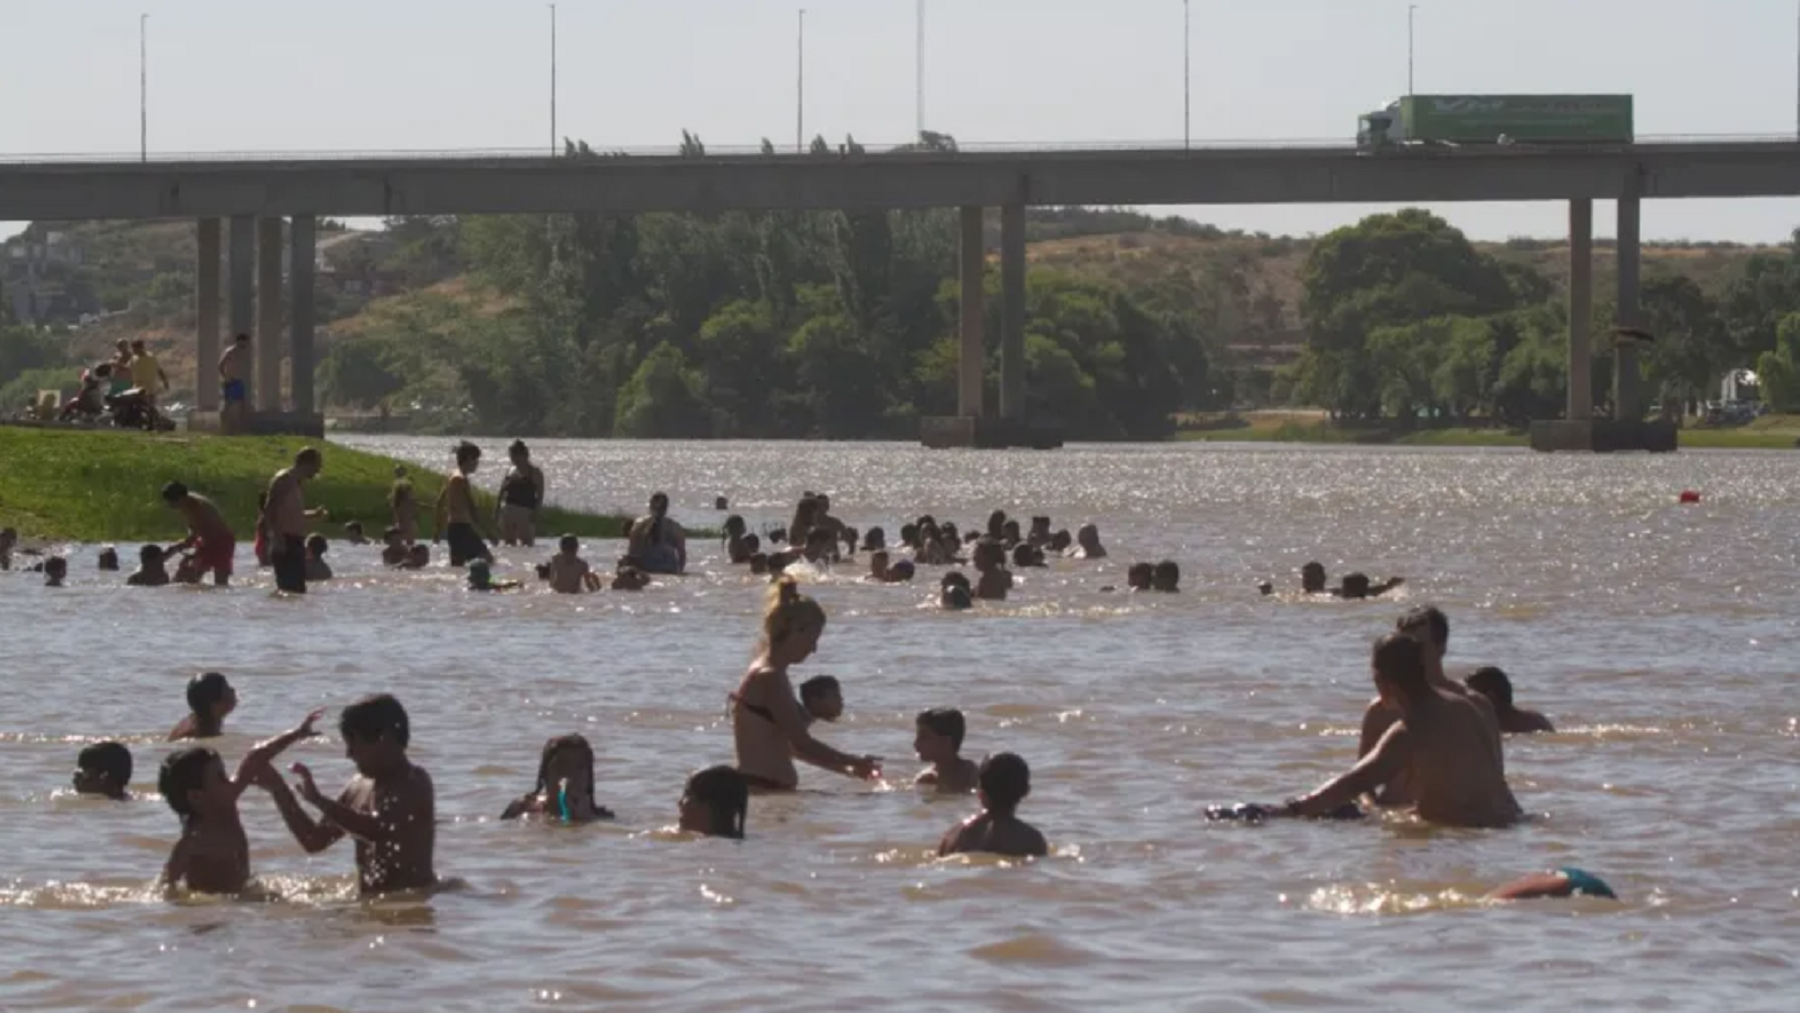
(243, 294)
(1627, 403)
(972, 373)
(268, 315)
(1581, 310)
(302, 248)
(1012, 312)
(209, 243)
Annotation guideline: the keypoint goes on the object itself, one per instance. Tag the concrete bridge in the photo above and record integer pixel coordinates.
(255, 195)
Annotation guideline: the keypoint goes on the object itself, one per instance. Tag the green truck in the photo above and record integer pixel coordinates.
(1498, 119)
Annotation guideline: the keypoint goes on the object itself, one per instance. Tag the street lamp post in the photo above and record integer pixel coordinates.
(1187, 74)
(555, 143)
(919, 98)
(800, 87)
(1410, 10)
(143, 88)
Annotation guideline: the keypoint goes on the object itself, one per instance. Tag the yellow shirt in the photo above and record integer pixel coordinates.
(146, 372)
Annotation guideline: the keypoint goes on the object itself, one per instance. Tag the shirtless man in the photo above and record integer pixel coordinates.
(1431, 628)
(456, 511)
(1442, 741)
(286, 515)
(231, 385)
(389, 806)
(208, 535)
(658, 543)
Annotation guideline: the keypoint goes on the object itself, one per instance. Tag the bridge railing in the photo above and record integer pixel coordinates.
(751, 150)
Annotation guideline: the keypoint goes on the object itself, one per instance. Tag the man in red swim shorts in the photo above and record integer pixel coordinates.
(208, 534)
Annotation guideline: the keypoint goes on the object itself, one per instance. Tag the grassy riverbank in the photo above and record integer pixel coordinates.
(101, 485)
(1772, 432)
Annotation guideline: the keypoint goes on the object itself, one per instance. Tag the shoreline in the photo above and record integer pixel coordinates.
(1781, 433)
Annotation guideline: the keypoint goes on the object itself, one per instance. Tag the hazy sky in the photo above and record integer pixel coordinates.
(255, 75)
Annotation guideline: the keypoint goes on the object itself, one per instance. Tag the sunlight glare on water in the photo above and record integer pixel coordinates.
(1660, 638)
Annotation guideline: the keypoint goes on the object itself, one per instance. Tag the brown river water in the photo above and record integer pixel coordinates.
(1660, 638)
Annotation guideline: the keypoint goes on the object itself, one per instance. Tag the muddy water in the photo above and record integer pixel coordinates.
(1661, 639)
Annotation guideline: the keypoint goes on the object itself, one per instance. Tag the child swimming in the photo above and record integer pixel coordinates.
(210, 701)
(104, 768)
(938, 738)
(1003, 783)
(316, 567)
(213, 855)
(716, 802)
(565, 785)
(569, 573)
(152, 570)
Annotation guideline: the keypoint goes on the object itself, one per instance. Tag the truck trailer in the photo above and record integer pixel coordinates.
(1498, 119)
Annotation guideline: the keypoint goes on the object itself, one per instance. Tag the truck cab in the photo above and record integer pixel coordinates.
(1381, 129)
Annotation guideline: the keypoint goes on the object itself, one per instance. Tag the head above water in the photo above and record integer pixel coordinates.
(567, 758)
(210, 697)
(1312, 578)
(569, 545)
(947, 722)
(1429, 626)
(1494, 684)
(188, 781)
(1356, 585)
(1398, 665)
(109, 558)
(823, 697)
(103, 768)
(316, 546)
(1166, 576)
(716, 802)
(1139, 576)
(150, 555)
(375, 719)
(1004, 782)
(56, 568)
(874, 539)
(792, 622)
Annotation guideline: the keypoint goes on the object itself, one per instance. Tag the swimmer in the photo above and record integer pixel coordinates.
(316, 567)
(768, 725)
(901, 572)
(353, 533)
(1357, 587)
(104, 769)
(716, 803)
(994, 579)
(188, 570)
(1140, 577)
(212, 854)
(630, 578)
(1001, 784)
(658, 543)
(721, 504)
(210, 700)
(565, 785)
(1040, 534)
(1087, 543)
(1026, 555)
(1441, 742)
(1431, 628)
(938, 738)
(481, 578)
(878, 568)
(418, 557)
(1166, 577)
(874, 540)
(1493, 683)
(393, 547)
(759, 564)
(209, 536)
(56, 571)
(735, 548)
(956, 598)
(1061, 543)
(569, 573)
(996, 525)
(821, 547)
(152, 569)
(909, 536)
(1011, 535)
(847, 535)
(389, 807)
(1312, 578)
(1565, 882)
(109, 560)
(456, 512)
(822, 697)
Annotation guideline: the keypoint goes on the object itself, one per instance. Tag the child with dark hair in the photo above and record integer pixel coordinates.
(736, 548)
(210, 701)
(316, 567)
(104, 768)
(353, 533)
(1140, 577)
(213, 855)
(393, 547)
(56, 570)
(1003, 782)
(565, 785)
(109, 560)
(1166, 577)
(1493, 683)
(938, 738)
(822, 698)
(152, 568)
(716, 803)
(389, 807)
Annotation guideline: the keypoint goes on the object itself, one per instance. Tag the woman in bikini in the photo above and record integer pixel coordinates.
(767, 722)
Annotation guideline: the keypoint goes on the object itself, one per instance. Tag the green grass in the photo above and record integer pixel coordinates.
(97, 486)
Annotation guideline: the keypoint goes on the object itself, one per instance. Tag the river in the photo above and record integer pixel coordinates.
(1660, 638)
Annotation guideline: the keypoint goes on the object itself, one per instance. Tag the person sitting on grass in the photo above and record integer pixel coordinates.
(1002, 783)
(152, 568)
(104, 769)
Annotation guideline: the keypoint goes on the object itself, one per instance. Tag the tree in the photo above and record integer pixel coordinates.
(662, 400)
(1779, 370)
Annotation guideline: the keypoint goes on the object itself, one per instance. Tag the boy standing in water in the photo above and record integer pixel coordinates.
(938, 739)
(208, 535)
(456, 510)
(210, 700)
(1002, 783)
(213, 855)
(389, 807)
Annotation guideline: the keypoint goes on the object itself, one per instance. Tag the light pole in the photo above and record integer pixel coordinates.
(555, 144)
(143, 88)
(800, 87)
(919, 99)
(1187, 74)
(1410, 10)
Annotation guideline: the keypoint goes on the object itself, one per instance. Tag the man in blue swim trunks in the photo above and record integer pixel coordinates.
(231, 385)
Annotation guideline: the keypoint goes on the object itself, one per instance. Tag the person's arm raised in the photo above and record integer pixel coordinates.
(263, 753)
